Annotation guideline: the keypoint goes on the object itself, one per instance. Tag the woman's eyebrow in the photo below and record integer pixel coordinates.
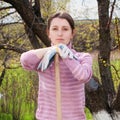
(58, 26)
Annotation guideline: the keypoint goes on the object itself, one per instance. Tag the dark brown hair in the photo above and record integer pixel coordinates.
(62, 15)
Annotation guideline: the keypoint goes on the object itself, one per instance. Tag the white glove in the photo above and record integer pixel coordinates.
(61, 49)
(47, 59)
(65, 52)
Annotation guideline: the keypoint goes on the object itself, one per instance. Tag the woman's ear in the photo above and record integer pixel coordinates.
(73, 33)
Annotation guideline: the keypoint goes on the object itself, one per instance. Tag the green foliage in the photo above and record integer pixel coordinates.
(14, 34)
(115, 63)
(88, 114)
(5, 116)
(86, 38)
(18, 92)
(114, 66)
(49, 7)
(116, 73)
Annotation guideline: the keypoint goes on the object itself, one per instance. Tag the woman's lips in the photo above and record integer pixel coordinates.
(60, 39)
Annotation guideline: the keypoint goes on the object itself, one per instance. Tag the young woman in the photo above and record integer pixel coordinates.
(75, 71)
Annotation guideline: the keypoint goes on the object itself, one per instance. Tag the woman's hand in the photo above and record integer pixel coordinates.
(61, 49)
(64, 51)
(47, 59)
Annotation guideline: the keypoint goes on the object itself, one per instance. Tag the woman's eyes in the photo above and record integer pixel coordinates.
(64, 29)
(54, 29)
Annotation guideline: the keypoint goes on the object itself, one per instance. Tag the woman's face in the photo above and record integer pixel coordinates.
(60, 31)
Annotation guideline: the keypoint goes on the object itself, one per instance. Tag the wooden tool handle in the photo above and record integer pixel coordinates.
(58, 88)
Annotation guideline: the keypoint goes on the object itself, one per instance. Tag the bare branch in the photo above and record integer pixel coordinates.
(117, 31)
(5, 8)
(13, 48)
(115, 71)
(33, 39)
(13, 67)
(111, 14)
(8, 14)
(2, 76)
(11, 23)
(27, 14)
(5, 59)
(4, 70)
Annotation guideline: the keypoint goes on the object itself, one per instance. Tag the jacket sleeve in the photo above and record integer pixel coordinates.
(80, 68)
(29, 60)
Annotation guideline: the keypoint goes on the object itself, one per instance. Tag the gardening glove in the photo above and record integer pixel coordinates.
(65, 52)
(61, 49)
(47, 59)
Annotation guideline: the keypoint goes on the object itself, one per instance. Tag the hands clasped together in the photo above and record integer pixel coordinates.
(61, 49)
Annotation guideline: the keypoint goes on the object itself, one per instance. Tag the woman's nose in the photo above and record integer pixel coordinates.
(59, 32)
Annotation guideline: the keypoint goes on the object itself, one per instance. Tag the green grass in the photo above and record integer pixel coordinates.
(5, 116)
(18, 95)
(88, 114)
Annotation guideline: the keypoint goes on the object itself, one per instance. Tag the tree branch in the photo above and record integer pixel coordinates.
(5, 8)
(4, 70)
(8, 14)
(117, 31)
(2, 76)
(27, 14)
(33, 39)
(13, 48)
(111, 13)
(11, 23)
(116, 71)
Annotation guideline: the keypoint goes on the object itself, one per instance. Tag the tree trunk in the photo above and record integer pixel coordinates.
(103, 102)
(96, 102)
(105, 48)
(26, 11)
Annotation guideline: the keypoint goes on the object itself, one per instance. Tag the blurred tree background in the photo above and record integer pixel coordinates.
(23, 27)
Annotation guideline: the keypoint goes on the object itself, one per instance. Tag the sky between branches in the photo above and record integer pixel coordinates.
(87, 9)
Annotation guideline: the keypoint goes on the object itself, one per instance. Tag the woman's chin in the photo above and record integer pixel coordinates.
(60, 42)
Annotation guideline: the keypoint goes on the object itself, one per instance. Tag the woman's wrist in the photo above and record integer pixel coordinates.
(41, 52)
